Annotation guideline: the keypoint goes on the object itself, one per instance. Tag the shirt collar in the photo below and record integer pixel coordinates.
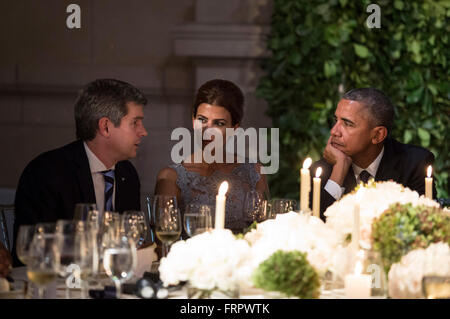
(372, 168)
(95, 164)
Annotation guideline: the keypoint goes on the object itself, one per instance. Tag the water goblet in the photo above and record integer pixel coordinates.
(197, 219)
(24, 238)
(82, 210)
(120, 261)
(282, 206)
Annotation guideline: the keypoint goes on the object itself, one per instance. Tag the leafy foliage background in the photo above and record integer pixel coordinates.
(320, 49)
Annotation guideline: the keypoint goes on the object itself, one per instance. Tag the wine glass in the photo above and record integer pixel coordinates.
(120, 261)
(197, 219)
(24, 238)
(160, 202)
(149, 219)
(109, 230)
(255, 207)
(283, 205)
(134, 226)
(168, 227)
(66, 243)
(82, 210)
(45, 228)
(42, 262)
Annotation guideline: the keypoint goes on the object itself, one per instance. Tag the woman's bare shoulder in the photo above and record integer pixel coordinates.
(167, 173)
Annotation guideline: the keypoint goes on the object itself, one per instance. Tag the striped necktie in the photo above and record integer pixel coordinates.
(109, 188)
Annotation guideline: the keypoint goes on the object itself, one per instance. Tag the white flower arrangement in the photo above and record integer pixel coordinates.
(207, 261)
(293, 231)
(373, 199)
(405, 277)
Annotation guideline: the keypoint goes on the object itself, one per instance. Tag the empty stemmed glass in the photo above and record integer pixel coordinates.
(120, 261)
(70, 246)
(82, 210)
(23, 242)
(42, 263)
(134, 226)
(168, 227)
(197, 219)
(256, 208)
(282, 206)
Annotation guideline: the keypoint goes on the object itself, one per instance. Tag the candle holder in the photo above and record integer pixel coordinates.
(371, 265)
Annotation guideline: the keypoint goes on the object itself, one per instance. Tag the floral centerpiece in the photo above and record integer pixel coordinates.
(402, 228)
(405, 277)
(289, 273)
(373, 199)
(292, 231)
(209, 261)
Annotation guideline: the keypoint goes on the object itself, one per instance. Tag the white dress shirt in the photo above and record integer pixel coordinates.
(336, 191)
(97, 167)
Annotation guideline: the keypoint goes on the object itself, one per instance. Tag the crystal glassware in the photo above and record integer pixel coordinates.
(119, 261)
(42, 261)
(168, 227)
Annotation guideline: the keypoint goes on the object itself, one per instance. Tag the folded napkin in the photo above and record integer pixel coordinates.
(145, 257)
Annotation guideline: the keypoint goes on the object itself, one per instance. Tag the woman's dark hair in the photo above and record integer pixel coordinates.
(221, 93)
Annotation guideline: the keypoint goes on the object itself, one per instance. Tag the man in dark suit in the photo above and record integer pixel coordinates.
(359, 148)
(94, 168)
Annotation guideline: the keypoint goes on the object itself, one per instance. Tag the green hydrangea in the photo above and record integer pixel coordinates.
(402, 228)
(288, 272)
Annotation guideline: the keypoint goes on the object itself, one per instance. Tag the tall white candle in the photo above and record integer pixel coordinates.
(220, 206)
(356, 215)
(305, 185)
(316, 193)
(357, 285)
(429, 184)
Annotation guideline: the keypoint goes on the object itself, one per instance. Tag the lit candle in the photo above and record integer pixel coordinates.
(305, 185)
(316, 193)
(429, 184)
(357, 285)
(220, 205)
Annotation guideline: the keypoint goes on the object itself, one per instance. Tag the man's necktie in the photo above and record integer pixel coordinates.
(109, 188)
(364, 176)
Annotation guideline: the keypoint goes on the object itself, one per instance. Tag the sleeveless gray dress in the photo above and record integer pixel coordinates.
(198, 189)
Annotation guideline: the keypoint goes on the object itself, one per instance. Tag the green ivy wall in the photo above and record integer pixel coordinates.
(321, 49)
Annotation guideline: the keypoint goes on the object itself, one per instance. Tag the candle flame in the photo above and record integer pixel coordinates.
(307, 163)
(429, 171)
(223, 188)
(358, 268)
(318, 171)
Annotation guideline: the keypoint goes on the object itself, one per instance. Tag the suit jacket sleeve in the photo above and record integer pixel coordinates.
(35, 200)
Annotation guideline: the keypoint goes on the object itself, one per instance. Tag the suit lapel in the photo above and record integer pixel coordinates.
(389, 162)
(83, 173)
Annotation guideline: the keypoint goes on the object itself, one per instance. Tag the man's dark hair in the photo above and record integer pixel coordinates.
(377, 103)
(103, 98)
(221, 93)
